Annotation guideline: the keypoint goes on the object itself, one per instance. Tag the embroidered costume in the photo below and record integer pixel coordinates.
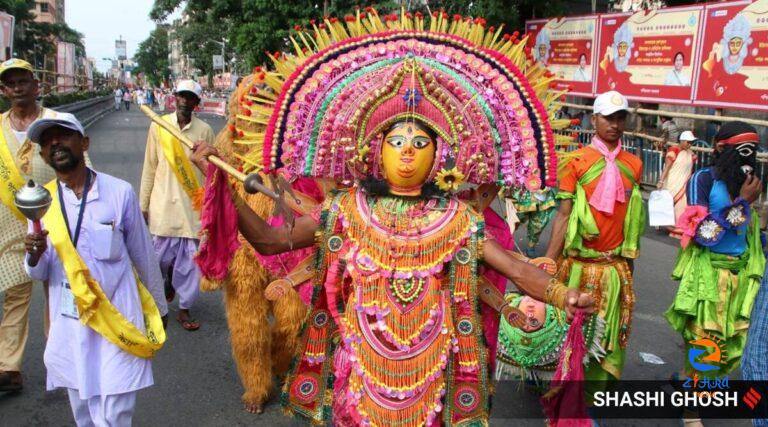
(535, 209)
(395, 334)
(532, 353)
(598, 243)
(719, 269)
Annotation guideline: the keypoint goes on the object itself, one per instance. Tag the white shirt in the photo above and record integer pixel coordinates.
(113, 240)
(676, 79)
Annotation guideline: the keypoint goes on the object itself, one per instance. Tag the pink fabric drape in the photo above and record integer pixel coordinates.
(218, 227)
(610, 188)
(564, 404)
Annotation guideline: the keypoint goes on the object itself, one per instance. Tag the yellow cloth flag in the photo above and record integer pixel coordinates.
(94, 308)
(182, 168)
(10, 178)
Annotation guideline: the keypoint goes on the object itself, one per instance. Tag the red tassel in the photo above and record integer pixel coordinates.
(564, 403)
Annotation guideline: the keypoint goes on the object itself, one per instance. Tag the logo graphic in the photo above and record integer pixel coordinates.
(708, 358)
(752, 398)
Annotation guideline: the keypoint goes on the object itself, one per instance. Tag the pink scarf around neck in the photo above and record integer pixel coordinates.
(610, 188)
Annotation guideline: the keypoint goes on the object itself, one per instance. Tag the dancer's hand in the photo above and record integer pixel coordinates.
(576, 301)
(547, 264)
(751, 189)
(200, 154)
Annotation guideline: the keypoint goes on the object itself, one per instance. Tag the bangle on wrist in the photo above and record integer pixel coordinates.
(556, 294)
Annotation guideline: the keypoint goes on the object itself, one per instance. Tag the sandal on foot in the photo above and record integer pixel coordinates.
(189, 324)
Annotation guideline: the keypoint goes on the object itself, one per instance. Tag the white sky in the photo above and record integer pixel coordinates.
(104, 21)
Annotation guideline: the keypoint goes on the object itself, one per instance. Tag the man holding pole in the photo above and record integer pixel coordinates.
(598, 227)
(19, 162)
(171, 197)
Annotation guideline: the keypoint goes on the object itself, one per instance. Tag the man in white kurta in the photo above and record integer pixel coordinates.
(21, 87)
(101, 379)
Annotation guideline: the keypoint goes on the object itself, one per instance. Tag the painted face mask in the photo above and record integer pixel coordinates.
(747, 157)
(407, 157)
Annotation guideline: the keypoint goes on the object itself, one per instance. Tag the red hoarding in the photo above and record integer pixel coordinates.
(566, 47)
(650, 56)
(702, 55)
(734, 52)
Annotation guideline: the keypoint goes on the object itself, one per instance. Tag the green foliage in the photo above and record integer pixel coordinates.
(255, 27)
(32, 40)
(152, 56)
(55, 100)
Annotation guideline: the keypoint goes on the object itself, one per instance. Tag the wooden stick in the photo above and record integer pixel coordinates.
(693, 116)
(252, 181)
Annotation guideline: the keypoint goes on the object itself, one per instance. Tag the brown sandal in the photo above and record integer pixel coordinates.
(189, 324)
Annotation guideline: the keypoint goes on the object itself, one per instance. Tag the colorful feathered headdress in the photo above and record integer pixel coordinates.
(323, 108)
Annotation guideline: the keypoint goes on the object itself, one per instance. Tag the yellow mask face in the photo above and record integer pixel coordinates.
(407, 156)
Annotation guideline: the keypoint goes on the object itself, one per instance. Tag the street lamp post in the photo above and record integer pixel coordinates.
(223, 44)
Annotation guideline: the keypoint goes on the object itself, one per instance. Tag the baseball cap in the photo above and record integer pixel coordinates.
(189, 86)
(65, 120)
(610, 102)
(15, 64)
(687, 136)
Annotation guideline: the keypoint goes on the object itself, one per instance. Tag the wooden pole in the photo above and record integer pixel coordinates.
(251, 181)
(718, 118)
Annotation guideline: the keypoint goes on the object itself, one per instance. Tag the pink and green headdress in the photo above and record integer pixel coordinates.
(346, 83)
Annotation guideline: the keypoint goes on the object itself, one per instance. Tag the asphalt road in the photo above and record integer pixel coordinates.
(196, 383)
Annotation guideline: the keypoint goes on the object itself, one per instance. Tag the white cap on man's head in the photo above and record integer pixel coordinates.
(610, 102)
(65, 120)
(687, 135)
(190, 86)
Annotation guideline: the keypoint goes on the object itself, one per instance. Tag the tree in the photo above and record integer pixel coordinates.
(33, 41)
(255, 27)
(152, 56)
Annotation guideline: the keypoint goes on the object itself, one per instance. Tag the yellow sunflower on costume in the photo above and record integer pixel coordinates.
(450, 179)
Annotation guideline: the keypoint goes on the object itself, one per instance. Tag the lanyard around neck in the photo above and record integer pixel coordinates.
(83, 201)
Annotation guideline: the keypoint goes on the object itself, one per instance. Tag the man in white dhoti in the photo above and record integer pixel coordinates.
(171, 195)
(105, 324)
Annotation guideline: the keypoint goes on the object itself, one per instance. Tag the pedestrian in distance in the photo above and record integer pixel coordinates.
(670, 133)
(677, 171)
(118, 98)
(127, 97)
(171, 198)
(107, 306)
